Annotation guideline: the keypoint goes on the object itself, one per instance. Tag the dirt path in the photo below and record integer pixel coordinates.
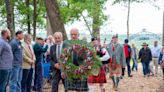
(137, 83)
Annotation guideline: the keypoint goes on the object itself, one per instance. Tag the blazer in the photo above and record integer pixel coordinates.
(53, 56)
(28, 56)
(119, 52)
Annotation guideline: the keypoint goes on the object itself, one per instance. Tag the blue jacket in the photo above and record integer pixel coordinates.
(6, 55)
(17, 52)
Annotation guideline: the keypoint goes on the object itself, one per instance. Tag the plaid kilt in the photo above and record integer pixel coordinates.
(101, 78)
(116, 70)
(76, 85)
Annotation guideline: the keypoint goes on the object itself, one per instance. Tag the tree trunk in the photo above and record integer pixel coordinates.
(163, 29)
(48, 27)
(53, 14)
(28, 17)
(128, 16)
(96, 14)
(10, 16)
(34, 18)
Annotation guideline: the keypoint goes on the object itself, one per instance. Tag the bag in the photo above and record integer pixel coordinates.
(162, 64)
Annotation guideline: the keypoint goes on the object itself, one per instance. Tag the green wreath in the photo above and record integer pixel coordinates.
(88, 64)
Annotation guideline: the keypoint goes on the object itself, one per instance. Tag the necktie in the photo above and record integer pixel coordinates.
(58, 53)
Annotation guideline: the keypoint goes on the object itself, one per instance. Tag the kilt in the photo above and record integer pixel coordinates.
(76, 85)
(117, 70)
(101, 78)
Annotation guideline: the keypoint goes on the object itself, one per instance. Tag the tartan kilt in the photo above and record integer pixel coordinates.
(76, 84)
(101, 78)
(117, 70)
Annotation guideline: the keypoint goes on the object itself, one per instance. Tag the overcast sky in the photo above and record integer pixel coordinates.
(141, 16)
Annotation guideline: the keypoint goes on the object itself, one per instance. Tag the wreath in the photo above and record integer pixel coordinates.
(90, 61)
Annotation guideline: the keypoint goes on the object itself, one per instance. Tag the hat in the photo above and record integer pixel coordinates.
(126, 40)
(144, 44)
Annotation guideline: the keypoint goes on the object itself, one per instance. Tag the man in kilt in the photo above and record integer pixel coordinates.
(100, 78)
(80, 85)
(116, 52)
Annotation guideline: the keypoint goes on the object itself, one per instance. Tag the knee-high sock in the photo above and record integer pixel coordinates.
(113, 79)
(102, 89)
(117, 81)
(91, 88)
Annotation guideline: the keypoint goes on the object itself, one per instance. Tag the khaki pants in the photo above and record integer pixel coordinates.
(153, 63)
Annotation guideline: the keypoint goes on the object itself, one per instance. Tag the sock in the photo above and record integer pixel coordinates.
(113, 79)
(91, 88)
(102, 89)
(117, 81)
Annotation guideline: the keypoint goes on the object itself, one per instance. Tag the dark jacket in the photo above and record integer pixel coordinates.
(160, 58)
(145, 55)
(53, 57)
(39, 51)
(17, 52)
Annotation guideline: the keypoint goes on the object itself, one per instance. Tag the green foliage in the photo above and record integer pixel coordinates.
(89, 63)
(72, 9)
(125, 1)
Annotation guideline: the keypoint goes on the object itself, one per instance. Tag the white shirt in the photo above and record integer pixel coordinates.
(57, 49)
(106, 56)
(155, 51)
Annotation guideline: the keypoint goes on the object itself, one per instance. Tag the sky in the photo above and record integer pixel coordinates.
(142, 16)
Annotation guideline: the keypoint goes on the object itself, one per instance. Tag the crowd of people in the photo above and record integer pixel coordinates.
(21, 62)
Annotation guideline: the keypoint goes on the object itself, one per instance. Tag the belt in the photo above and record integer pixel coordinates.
(155, 57)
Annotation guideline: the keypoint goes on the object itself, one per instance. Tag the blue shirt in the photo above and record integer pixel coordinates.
(6, 55)
(17, 52)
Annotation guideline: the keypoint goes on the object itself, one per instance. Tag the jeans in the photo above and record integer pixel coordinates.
(15, 79)
(128, 66)
(38, 80)
(4, 76)
(27, 80)
(146, 69)
(135, 64)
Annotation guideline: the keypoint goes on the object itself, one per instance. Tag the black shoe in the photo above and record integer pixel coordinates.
(130, 75)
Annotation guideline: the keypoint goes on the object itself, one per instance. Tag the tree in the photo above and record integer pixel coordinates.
(163, 30)
(73, 10)
(54, 16)
(10, 16)
(128, 3)
(28, 16)
(34, 18)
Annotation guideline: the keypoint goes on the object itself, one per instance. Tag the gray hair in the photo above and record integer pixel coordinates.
(26, 36)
